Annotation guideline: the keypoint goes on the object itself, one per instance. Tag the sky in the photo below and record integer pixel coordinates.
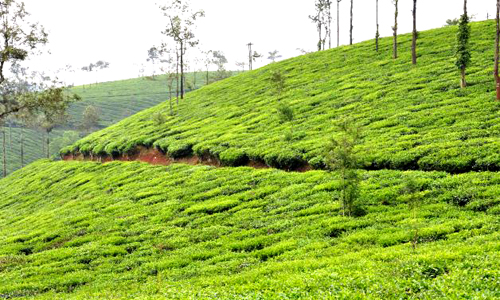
(121, 31)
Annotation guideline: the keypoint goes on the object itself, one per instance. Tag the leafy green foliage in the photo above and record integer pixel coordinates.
(85, 230)
(112, 101)
(343, 158)
(412, 118)
(462, 51)
(277, 81)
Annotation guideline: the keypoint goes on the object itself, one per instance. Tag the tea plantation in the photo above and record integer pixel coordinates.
(83, 230)
(427, 223)
(412, 117)
(114, 101)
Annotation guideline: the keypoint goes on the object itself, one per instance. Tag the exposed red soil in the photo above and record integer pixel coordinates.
(155, 157)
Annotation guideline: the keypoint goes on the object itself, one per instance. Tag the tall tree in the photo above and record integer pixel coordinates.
(52, 116)
(19, 39)
(90, 119)
(220, 60)
(338, 22)
(250, 58)
(497, 51)
(168, 67)
(4, 152)
(321, 20)
(153, 57)
(207, 61)
(180, 28)
(414, 34)
(462, 52)
(274, 55)
(395, 30)
(328, 10)
(350, 38)
(377, 33)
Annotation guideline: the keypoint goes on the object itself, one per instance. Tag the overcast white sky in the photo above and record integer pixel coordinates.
(121, 31)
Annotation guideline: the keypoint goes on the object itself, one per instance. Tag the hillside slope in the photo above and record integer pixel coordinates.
(411, 117)
(114, 101)
(84, 230)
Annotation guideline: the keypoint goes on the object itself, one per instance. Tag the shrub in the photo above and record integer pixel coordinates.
(158, 118)
(178, 149)
(233, 157)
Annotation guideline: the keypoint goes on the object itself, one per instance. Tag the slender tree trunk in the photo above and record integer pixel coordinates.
(395, 29)
(47, 140)
(249, 56)
(177, 75)
(350, 38)
(10, 135)
(43, 145)
(206, 81)
(329, 24)
(338, 23)
(463, 82)
(22, 147)
(194, 79)
(497, 51)
(182, 70)
(414, 40)
(4, 153)
(170, 97)
(319, 36)
(377, 34)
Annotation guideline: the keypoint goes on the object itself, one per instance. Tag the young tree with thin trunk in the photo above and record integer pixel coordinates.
(414, 34)
(497, 51)
(350, 37)
(182, 21)
(250, 59)
(329, 22)
(338, 22)
(90, 119)
(395, 30)
(168, 68)
(4, 152)
(342, 156)
(274, 55)
(241, 64)
(322, 18)
(377, 33)
(462, 52)
(51, 117)
(207, 61)
(21, 146)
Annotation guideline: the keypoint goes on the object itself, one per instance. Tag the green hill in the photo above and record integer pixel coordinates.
(82, 230)
(412, 117)
(114, 101)
(427, 226)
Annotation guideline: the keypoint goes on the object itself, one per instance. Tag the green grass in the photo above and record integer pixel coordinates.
(413, 118)
(83, 230)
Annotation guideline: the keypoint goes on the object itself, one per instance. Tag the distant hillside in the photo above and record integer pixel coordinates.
(82, 230)
(116, 100)
(412, 117)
